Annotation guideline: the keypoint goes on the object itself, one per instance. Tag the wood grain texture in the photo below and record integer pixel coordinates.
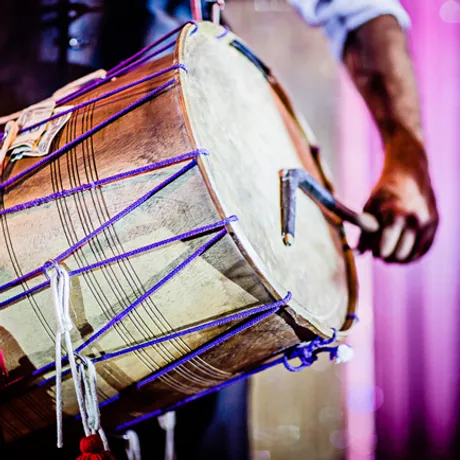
(247, 267)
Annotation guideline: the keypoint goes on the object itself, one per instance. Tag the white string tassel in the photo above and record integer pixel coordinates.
(92, 414)
(344, 354)
(168, 422)
(60, 290)
(133, 446)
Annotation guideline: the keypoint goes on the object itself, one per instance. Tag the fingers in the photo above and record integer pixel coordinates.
(406, 245)
(390, 238)
(368, 223)
(424, 241)
(405, 208)
(401, 239)
(371, 241)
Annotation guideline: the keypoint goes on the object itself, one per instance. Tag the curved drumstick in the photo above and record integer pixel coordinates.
(291, 179)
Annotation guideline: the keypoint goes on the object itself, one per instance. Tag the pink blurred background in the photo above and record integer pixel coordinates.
(415, 309)
(399, 398)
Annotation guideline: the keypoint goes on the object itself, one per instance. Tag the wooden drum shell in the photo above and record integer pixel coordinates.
(227, 278)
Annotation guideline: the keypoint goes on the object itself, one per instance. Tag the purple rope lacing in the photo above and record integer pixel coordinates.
(128, 64)
(85, 135)
(150, 291)
(265, 312)
(123, 67)
(221, 386)
(224, 33)
(184, 236)
(307, 353)
(271, 307)
(149, 47)
(191, 330)
(102, 263)
(215, 342)
(98, 83)
(140, 61)
(353, 316)
(314, 347)
(89, 186)
(115, 91)
(87, 238)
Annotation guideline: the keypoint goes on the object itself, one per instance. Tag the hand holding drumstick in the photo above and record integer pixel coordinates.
(403, 201)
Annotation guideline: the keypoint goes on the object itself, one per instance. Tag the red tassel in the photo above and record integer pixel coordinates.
(92, 448)
(3, 368)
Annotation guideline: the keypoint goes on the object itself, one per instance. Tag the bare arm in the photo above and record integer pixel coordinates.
(378, 60)
(379, 63)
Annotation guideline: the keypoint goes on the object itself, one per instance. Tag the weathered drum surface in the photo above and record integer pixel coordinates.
(223, 104)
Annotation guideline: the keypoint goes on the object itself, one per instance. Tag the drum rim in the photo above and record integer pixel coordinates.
(300, 314)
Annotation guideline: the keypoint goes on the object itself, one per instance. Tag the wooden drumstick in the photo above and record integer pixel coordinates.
(291, 179)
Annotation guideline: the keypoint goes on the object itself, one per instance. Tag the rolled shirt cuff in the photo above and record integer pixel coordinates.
(339, 17)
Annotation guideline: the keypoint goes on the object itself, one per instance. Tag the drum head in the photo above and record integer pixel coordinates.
(234, 112)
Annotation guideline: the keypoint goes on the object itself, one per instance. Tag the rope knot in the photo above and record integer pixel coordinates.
(91, 416)
(60, 288)
(83, 374)
(307, 353)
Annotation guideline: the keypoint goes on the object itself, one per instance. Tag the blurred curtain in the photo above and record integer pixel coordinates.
(416, 309)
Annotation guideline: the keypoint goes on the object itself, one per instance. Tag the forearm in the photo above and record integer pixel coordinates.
(378, 61)
(403, 201)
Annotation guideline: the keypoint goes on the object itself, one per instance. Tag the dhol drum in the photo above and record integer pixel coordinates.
(161, 199)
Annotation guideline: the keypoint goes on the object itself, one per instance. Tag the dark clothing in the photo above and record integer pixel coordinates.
(43, 46)
(211, 428)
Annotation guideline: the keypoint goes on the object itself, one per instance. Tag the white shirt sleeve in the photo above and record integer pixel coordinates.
(339, 17)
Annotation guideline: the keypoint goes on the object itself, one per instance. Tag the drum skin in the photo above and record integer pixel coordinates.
(225, 105)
